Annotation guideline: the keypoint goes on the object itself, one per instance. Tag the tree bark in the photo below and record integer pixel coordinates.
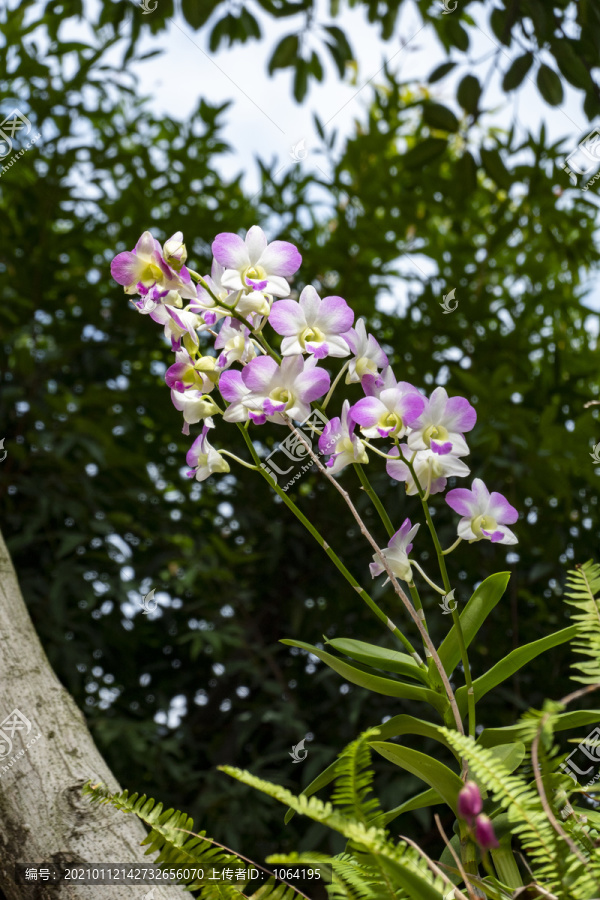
(46, 755)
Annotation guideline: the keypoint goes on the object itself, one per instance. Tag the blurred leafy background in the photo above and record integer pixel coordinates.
(422, 198)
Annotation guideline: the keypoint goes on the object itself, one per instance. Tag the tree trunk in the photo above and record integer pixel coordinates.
(46, 755)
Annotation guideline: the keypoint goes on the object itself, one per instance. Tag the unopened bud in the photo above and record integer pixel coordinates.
(175, 251)
(470, 803)
(484, 833)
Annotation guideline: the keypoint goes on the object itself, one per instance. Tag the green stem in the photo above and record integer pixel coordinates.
(368, 487)
(331, 553)
(334, 385)
(231, 310)
(455, 614)
(242, 462)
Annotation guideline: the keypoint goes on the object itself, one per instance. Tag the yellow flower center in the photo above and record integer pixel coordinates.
(435, 433)
(483, 523)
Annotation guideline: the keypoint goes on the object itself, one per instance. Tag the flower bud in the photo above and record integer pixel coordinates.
(469, 802)
(484, 833)
(175, 251)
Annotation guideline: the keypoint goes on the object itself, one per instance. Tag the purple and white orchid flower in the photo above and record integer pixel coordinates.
(234, 391)
(195, 406)
(186, 373)
(442, 424)
(340, 444)
(368, 356)
(312, 325)
(431, 469)
(279, 390)
(396, 553)
(391, 409)
(484, 515)
(142, 268)
(234, 341)
(178, 323)
(204, 459)
(255, 265)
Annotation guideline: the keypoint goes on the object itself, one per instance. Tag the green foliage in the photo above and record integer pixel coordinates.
(177, 846)
(582, 588)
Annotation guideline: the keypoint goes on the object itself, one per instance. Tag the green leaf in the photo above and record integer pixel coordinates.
(468, 94)
(466, 174)
(500, 26)
(440, 72)
(284, 53)
(424, 152)
(421, 801)
(495, 168)
(511, 664)
(301, 80)
(478, 608)
(517, 71)
(380, 658)
(492, 737)
(550, 85)
(434, 773)
(571, 64)
(197, 12)
(372, 682)
(437, 116)
(403, 724)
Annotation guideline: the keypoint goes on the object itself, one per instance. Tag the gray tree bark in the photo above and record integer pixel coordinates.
(46, 755)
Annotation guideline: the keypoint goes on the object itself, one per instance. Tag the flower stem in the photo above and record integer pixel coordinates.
(331, 554)
(368, 487)
(242, 462)
(455, 614)
(334, 385)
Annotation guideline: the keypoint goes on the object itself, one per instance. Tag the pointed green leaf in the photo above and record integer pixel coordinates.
(517, 71)
(285, 53)
(426, 798)
(438, 116)
(402, 724)
(372, 682)
(472, 618)
(380, 658)
(468, 93)
(550, 85)
(424, 152)
(492, 737)
(434, 773)
(511, 664)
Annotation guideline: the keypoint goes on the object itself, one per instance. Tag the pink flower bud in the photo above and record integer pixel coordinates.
(469, 802)
(484, 833)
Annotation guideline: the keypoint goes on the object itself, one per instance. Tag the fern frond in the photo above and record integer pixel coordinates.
(170, 837)
(582, 588)
(404, 867)
(354, 780)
